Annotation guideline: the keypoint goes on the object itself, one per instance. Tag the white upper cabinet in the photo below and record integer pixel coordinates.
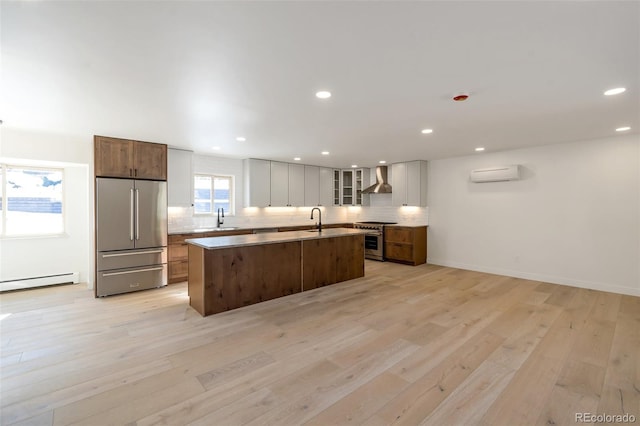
(296, 185)
(311, 185)
(273, 184)
(287, 184)
(179, 178)
(257, 183)
(409, 183)
(279, 184)
(326, 187)
(318, 186)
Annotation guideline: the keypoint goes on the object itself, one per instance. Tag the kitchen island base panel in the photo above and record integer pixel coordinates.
(225, 279)
(332, 260)
(319, 258)
(349, 258)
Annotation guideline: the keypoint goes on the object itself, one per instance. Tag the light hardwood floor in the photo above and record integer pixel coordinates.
(403, 345)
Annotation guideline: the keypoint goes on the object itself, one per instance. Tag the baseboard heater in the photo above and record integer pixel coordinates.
(24, 283)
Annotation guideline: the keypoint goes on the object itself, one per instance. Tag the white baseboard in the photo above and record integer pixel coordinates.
(23, 283)
(541, 277)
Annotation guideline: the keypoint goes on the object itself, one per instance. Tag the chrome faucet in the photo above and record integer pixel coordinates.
(319, 218)
(220, 221)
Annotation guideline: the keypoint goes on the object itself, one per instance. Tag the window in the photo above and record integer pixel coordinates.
(31, 200)
(213, 192)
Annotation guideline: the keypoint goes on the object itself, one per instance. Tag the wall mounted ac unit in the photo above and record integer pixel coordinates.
(495, 174)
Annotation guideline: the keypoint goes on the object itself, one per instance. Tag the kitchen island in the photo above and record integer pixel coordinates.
(229, 272)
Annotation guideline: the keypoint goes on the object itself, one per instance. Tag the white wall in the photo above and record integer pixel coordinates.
(573, 219)
(72, 252)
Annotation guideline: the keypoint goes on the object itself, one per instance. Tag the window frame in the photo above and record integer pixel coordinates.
(213, 177)
(4, 166)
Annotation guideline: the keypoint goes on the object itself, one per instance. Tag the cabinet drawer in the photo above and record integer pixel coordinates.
(398, 251)
(178, 252)
(178, 271)
(131, 258)
(177, 238)
(398, 235)
(126, 280)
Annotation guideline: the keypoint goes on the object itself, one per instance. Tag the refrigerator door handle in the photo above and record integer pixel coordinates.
(131, 214)
(131, 253)
(137, 214)
(111, 274)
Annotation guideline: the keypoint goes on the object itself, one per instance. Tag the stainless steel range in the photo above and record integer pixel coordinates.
(373, 241)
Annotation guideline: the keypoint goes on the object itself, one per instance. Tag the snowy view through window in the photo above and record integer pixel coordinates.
(31, 201)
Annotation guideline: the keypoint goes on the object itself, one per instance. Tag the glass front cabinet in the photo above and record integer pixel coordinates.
(336, 187)
(348, 186)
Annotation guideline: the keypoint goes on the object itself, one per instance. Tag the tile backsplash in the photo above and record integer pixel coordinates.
(183, 219)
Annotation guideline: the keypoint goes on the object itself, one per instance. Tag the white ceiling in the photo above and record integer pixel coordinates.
(198, 74)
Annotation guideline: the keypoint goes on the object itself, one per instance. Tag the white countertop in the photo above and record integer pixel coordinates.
(213, 243)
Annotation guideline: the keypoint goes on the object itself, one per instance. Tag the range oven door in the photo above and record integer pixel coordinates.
(373, 245)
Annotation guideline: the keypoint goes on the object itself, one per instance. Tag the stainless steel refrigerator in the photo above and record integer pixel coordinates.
(131, 235)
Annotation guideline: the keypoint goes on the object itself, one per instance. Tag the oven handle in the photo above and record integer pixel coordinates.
(374, 233)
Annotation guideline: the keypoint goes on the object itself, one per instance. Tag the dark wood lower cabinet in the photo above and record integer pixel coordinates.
(405, 244)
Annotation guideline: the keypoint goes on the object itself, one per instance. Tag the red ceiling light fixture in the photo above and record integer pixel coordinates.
(461, 97)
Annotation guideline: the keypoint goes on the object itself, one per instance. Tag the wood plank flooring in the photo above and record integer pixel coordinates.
(403, 345)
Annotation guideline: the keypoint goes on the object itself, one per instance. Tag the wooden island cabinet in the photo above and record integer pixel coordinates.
(405, 244)
(178, 251)
(230, 272)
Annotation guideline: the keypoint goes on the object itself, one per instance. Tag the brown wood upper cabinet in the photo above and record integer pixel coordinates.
(126, 158)
(405, 244)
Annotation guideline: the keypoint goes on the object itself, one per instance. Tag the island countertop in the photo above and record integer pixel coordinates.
(213, 243)
(279, 226)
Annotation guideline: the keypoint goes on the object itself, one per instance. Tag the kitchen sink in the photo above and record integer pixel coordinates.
(225, 228)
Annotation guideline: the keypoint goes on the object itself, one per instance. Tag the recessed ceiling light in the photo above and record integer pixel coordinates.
(426, 131)
(615, 91)
(217, 148)
(296, 158)
(480, 148)
(241, 139)
(323, 94)
(325, 152)
(623, 129)
(382, 162)
(354, 165)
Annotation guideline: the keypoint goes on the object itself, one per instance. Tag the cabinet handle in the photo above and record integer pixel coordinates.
(130, 172)
(135, 172)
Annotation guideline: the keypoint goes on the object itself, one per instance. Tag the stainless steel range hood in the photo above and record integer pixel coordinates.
(381, 186)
